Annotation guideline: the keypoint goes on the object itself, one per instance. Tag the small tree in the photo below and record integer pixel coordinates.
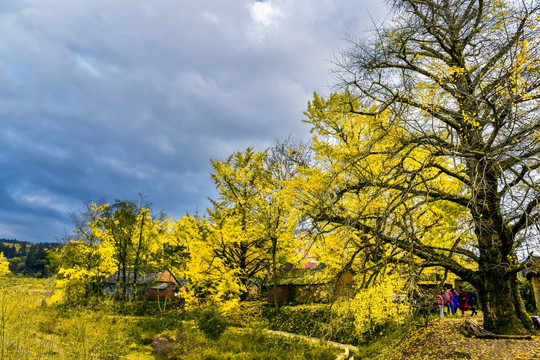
(125, 237)
(211, 323)
(83, 260)
(136, 239)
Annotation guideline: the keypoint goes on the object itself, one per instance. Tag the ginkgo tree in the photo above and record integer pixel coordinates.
(438, 119)
(123, 238)
(276, 208)
(350, 149)
(236, 241)
(4, 265)
(83, 260)
(254, 221)
(136, 237)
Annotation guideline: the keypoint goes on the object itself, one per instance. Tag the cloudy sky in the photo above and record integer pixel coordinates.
(110, 98)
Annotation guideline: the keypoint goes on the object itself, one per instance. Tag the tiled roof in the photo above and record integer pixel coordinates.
(144, 276)
(304, 277)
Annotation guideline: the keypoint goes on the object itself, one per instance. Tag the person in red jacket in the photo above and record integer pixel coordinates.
(463, 306)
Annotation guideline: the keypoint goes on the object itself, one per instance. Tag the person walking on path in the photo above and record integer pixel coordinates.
(462, 301)
(448, 300)
(471, 301)
(440, 303)
(455, 301)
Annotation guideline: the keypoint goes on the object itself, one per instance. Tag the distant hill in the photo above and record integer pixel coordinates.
(10, 241)
(27, 258)
(12, 248)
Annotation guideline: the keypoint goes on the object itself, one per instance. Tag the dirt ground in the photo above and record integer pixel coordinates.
(443, 340)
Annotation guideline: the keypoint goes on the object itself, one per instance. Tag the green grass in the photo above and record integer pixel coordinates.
(32, 329)
(239, 344)
(382, 347)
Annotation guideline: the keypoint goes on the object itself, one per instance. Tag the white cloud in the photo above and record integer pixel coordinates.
(31, 195)
(210, 17)
(264, 13)
(126, 169)
(86, 65)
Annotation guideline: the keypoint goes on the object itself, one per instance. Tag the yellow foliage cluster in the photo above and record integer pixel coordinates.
(4, 265)
(94, 254)
(250, 228)
(361, 158)
(377, 305)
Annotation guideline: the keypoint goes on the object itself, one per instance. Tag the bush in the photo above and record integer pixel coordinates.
(248, 314)
(211, 323)
(316, 320)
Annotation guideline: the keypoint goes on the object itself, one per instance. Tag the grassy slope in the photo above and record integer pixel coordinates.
(31, 329)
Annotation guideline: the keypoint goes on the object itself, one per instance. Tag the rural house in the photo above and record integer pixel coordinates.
(151, 283)
(311, 285)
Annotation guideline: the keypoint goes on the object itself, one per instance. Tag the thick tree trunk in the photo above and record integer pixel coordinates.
(501, 304)
(496, 278)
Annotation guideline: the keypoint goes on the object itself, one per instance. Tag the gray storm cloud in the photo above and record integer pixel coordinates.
(108, 99)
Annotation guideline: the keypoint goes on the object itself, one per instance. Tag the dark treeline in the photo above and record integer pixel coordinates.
(27, 258)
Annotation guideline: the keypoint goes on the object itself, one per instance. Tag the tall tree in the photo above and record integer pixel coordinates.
(254, 217)
(275, 210)
(449, 90)
(236, 242)
(120, 228)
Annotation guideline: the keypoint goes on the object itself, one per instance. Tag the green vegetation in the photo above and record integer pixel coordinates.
(211, 323)
(30, 328)
(315, 320)
(236, 344)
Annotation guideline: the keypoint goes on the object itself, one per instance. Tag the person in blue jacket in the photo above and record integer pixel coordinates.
(455, 300)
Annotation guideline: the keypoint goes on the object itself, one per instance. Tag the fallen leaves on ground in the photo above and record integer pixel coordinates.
(443, 340)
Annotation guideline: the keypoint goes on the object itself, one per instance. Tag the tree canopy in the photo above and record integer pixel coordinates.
(432, 148)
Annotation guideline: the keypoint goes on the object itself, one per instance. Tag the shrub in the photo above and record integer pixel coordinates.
(247, 314)
(377, 308)
(527, 294)
(211, 323)
(316, 320)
